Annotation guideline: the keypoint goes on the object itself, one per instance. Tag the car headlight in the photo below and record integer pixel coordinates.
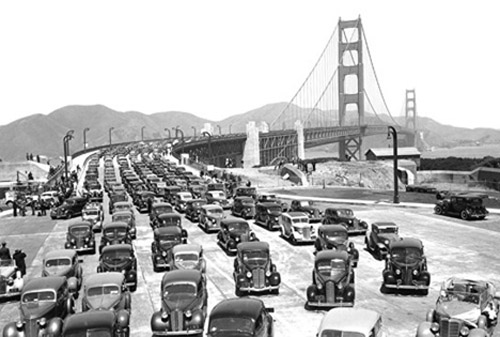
(188, 313)
(249, 274)
(237, 239)
(164, 253)
(86, 240)
(415, 272)
(386, 242)
(340, 285)
(42, 322)
(434, 327)
(268, 273)
(464, 331)
(124, 271)
(398, 272)
(19, 325)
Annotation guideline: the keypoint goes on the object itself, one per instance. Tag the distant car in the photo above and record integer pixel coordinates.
(232, 232)
(187, 256)
(422, 188)
(183, 304)
(267, 214)
(170, 193)
(106, 291)
(114, 233)
(93, 214)
(181, 200)
(335, 237)
(97, 323)
(466, 206)
(141, 200)
(51, 197)
(470, 307)
(347, 322)
(308, 208)
(115, 198)
(345, 217)
(295, 227)
(169, 220)
(211, 217)
(127, 217)
(193, 209)
(120, 258)
(218, 198)
(159, 208)
(333, 281)
(43, 299)
(254, 271)
(121, 206)
(69, 208)
(165, 238)
(243, 207)
(11, 281)
(245, 191)
(80, 237)
(406, 266)
(64, 262)
(241, 317)
(270, 197)
(378, 238)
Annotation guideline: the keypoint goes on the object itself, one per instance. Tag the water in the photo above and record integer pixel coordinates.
(465, 152)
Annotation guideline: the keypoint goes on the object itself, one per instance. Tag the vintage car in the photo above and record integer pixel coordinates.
(295, 227)
(345, 217)
(142, 200)
(466, 206)
(95, 190)
(378, 238)
(197, 191)
(114, 233)
(187, 256)
(121, 206)
(308, 208)
(243, 207)
(181, 200)
(270, 197)
(254, 271)
(127, 217)
(80, 237)
(157, 209)
(69, 208)
(45, 302)
(464, 308)
(211, 217)
(332, 281)
(120, 258)
(267, 214)
(11, 280)
(241, 317)
(106, 291)
(218, 198)
(50, 197)
(93, 214)
(232, 232)
(115, 198)
(193, 209)
(183, 304)
(347, 322)
(335, 237)
(169, 220)
(64, 262)
(102, 323)
(245, 191)
(406, 266)
(170, 193)
(164, 239)
(216, 187)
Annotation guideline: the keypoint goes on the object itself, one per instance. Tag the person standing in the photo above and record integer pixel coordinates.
(4, 252)
(19, 256)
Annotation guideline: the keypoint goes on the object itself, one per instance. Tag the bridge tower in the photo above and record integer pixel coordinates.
(411, 117)
(353, 51)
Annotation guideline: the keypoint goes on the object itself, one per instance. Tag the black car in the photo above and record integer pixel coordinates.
(335, 237)
(104, 323)
(245, 191)
(307, 207)
(267, 214)
(165, 238)
(157, 209)
(69, 208)
(241, 317)
(243, 207)
(114, 199)
(346, 218)
(193, 209)
(466, 206)
(232, 232)
(143, 199)
(115, 233)
(80, 237)
(120, 258)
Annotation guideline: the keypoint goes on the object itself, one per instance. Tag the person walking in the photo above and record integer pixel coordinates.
(4, 252)
(19, 256)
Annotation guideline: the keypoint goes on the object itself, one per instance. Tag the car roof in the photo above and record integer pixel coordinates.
(89, 319)
(48, 282)
(80, 224)
(122, 213)
(187, 248)
(332, 228)
(121, 203)
(121, 246)
(193, 201)
(406, 243)
(237, 307)
(114, 224)
(182, 275)
(384, 224)
(228, 221)
(60, 253)
(269, 204)
(348, 319)
(253, 245)
(330, 254)
(244, 197)
(167, 230)
(169, 215)
(296, 214)
(210, 207)
(161, 204)
(104, 278)
(338, 209)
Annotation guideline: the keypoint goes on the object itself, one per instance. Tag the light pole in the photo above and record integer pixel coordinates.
(168, 130)
(85, 138)
(394, 133)
(220, 129)
(66, 139)
(110, 129)
(194, 131)
(142, 133)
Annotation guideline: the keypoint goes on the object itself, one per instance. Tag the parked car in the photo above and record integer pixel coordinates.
(420, 188)
(218, 198)
(232, 232)
(181, 199)
(114, 199)
(93, 214)
(121, 206)
(466, 206)
(378, 238)
(295, 227)
(241, 317)
(406, 266)
(347, 322)
(128, 218)
(267, 214)
(243, 207)
(254, 271)
(106, 291)
(114, 233)
(345, 217)
(80, 237)
(164, 239)
(335, 237)
(43, 299)
(270, 197)
(308, 208)
(64, 262)
(193, 209)
(142, 199)
(245, 191)
(50, 197)
(183, 304)
(211, 217)
(170, 192)
(170, 220)
(69, 208)
(187, 256)
(464, 308)
(105, 323)
(120, 258)
(332, 281)
(159, 208)
(11, 280)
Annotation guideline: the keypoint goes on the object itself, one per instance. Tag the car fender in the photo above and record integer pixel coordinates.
(157, 324)
(424, 330)
(478, 333)
(73, 284)
(123, 318)
(10, 330)
(54, 327)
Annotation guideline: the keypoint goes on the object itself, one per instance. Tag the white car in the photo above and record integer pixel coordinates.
(352, 322)
(296, 228)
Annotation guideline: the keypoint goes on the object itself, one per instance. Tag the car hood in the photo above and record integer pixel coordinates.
(188, 303)
(117, 263)
(36, 310)
(336, 276)
(388, 236)
(104, 301)
(7, 271)
(460, 310)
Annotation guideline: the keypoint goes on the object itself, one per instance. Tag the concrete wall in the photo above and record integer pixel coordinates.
(8, 170)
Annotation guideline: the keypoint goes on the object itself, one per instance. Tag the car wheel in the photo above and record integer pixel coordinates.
(133, 288)
(238, 292)
(464, 215)
(438, 210)
(293, 240)
(275, 291)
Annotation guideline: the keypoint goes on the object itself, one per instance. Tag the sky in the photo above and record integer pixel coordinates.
(218, 58)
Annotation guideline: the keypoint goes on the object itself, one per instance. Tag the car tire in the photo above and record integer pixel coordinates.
(464, 215)
(438, 210)
(238, 292)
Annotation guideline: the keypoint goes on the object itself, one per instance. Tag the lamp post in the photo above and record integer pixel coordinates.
(66, 139)
(194, 129)
(168, 130)
(220, 129)
(85, 138)
(110, 129)
(394, 133)
(142, 133)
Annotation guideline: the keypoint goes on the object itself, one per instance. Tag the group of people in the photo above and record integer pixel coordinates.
(19, 257)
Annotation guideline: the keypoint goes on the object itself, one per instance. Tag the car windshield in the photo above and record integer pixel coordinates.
(218, 194)
(185, 196)
(274, 209)
(475, 202)
(168, 240)
(122, 207)
(238, 226)
(247, 191)
(256, 257)
(236, 324)
(163, 209)
(178, 292)
(215, 211)
(91, 212)
(330, 267)
(97, 332)
(39, 296)
(115, 232)
(388, 230)
(115, 255)
(103, 290)
(58, 262)
(345, 212)
(186, 257)
(408, 255)
(464, 293)
(305, 203)
(121, 218)
(80, 231)
(339, 235)
(300, 220)
(338, 333)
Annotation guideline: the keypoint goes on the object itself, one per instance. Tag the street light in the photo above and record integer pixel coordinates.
(85, 138)
(142, 133)
(168, 130)
(394, 133)
(66, 139)
(220, 129)
(110, 129)
(194, 131)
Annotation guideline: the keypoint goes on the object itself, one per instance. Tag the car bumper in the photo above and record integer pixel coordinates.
(326, 305)
(178, 333)
(10, 294)
(80, 249)
(259, 290)
(406, 286)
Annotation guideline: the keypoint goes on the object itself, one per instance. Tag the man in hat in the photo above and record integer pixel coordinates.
(4, 252)
(19, 257)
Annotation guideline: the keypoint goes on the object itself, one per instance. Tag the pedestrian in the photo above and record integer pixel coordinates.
(33, 206)
(4, 252)
(43, 207)
(38, 158)
(19, 256)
